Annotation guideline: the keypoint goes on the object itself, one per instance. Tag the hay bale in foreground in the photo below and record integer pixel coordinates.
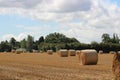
(63, 53)
(89, 57)
(72, 53)
(116, 66)
(50, 52)
(100, 52)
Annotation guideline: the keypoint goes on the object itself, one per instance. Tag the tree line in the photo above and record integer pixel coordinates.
(56, 41)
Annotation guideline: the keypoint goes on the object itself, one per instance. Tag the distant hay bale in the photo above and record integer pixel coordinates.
(116, 66)
(63, 53)
(89, 57)
(41, 51)
(5, 52)
(50, 52)
(20, 50)
(72, 53)
(100, 52)
(13, 51)
(112, 52)
(35, 51)
(77, 52)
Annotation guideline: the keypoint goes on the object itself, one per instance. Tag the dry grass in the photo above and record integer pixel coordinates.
(45, 67)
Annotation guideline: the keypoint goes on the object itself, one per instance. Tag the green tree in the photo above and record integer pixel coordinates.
(95, 45)
(23, 43)
(41, 39)
(55, 38)
(59, 38)
(105, 38)
(115, 39)
(29, 43)
(17, 45)
(4, 46)
(58, 41)
(13, 43)
(38, 42)
(35, 45)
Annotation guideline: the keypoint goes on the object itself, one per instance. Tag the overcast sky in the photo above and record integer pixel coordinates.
(85, 20)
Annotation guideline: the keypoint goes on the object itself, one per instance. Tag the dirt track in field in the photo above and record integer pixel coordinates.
(52, 67)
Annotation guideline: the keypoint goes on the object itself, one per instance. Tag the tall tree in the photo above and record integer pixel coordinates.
(105, 38)
(41, 39)
(23, 43)
(29, 44)
(4, 46)
(115, 39)
(56, 38)
(13, 43)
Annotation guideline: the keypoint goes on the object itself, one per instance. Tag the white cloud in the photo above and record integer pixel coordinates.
(44, 9)
(18, 37)
(49, 5)
(38, 31)
(67, 6)
(19, 3)
(6, 37)
(86, 20)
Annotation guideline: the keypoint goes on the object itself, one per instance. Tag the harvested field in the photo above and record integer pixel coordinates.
(44, 67)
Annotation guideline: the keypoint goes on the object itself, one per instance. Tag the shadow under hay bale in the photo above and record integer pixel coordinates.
(88, 57)
(72, 53)
(116, 66)
(63, 53)
(19, 52)
(50, 52)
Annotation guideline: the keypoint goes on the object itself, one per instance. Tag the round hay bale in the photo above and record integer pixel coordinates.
(72, 53)
(112, 52)
(50, 52)
(100, 52)
(63, 53)
(13, 51)
(89, 57)
(35, 51)
(118, 51)
(41, 51)
(77, 52)
(116, 66)
(19, 52)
